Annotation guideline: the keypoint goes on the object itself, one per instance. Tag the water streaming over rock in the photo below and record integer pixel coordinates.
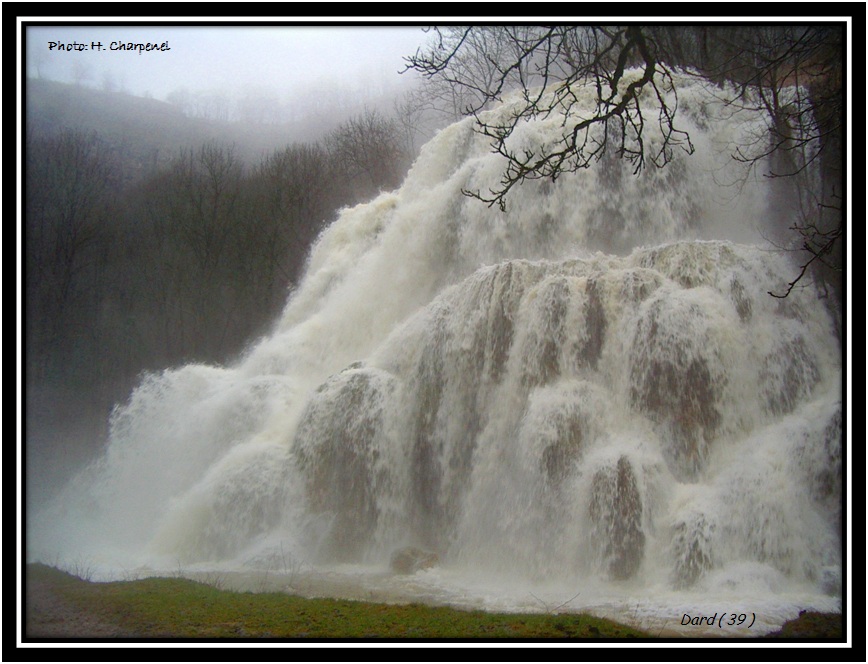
(493, 387)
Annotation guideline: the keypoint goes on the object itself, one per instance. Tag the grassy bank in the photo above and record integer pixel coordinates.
(167, 607)
(176, 607)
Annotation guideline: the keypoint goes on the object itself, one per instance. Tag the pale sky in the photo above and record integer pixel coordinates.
(231, 58)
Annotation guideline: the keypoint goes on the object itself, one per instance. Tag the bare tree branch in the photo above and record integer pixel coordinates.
(791, 73)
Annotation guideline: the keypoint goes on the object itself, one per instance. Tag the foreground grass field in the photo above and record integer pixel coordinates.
(181, 608)
(166, 607)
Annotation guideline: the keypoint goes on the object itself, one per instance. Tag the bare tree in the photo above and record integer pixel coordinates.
(291, 194)
(195, 214)
(793, 73)
(473, 60)
(571, 57)
(410, 120)
(368, 152)
(67, 181)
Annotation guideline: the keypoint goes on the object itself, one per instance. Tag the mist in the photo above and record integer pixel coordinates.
(283, 299)
(262, 102)
(232, 60)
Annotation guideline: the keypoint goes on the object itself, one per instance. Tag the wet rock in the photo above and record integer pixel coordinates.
(410, 560)
(595, 324)
(559, 457)
(740, 299)
(788, 374)
(616, 515)
(677, 382)
(545, 344)
(337, 447)
(691, 550)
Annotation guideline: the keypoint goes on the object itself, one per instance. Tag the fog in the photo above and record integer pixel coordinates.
(232, 59)
(261, 88)
(265, 297)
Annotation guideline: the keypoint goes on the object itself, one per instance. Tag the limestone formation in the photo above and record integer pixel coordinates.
(616, 515)
(410, 560)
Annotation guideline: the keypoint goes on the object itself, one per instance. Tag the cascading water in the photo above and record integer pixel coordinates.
(648, 427)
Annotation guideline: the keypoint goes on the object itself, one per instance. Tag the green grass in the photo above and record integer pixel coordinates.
(173, 607)
(166, 607)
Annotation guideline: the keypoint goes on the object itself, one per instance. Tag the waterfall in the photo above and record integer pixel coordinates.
(590, 385)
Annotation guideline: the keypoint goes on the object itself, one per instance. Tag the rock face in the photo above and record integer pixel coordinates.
(616, 514)
(337, 449)
(676, 379)
(410, 560)
(691, 549)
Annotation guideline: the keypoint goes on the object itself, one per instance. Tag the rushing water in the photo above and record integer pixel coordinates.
(589, 393)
